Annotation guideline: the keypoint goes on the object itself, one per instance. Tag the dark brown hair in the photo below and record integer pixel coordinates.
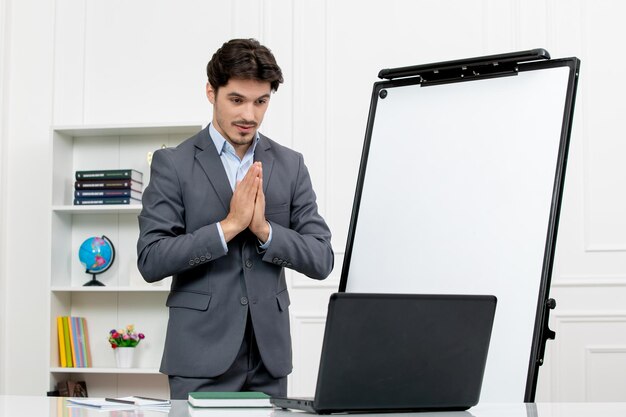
(245, 59)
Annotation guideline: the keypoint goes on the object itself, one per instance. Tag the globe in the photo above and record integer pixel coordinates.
(97, 255)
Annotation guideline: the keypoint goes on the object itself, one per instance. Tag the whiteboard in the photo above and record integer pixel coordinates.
(458, 193)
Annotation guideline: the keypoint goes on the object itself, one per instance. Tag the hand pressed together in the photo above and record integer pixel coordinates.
(247, 207)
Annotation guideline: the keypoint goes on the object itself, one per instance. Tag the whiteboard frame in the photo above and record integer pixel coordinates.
(460, 71)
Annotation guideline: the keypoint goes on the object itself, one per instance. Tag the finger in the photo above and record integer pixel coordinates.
(260, 200)
(248, 179)
(259, 192)
(259, 204)
(251, 175)
(258, 169)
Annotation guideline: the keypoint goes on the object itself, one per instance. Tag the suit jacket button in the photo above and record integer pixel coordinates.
(248, 263)
(208, 256)
(191, 262)
(275, 260)
(244, 301)
(202, 258)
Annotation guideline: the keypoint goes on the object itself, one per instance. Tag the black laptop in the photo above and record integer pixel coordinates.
(401, 352)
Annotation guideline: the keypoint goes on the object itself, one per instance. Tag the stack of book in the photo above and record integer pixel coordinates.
(73, 339)
(235, 404)
(108, 186)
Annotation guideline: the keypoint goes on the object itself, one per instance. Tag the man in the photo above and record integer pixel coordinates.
(225, 213)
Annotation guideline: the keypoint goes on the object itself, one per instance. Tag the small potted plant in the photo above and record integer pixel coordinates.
(123, 343)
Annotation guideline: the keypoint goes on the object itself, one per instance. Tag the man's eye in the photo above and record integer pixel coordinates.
(236, 100)
(262, 101)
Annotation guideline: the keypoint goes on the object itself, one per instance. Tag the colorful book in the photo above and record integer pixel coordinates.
(107, 194)
(73, 342)
(79, 342)
(108, 184)
(229, 399)
(85, 341)
(103, 201)
(62, 358)
(68, 343)
(110, 174)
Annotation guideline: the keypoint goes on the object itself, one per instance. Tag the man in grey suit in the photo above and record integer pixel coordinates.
(225, 213)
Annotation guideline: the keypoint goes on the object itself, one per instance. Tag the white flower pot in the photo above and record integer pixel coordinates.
(124, 357)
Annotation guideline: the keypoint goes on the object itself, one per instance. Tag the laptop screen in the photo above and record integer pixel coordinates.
(404, 351)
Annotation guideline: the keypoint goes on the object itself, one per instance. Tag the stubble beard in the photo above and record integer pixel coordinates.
(242, 138)
(238, 138)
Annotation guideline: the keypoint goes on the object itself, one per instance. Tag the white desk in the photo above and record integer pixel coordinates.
(30, 406)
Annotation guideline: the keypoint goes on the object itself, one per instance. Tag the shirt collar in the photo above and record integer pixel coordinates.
(221, 143)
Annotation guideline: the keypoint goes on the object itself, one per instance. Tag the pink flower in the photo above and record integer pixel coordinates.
(125, 337)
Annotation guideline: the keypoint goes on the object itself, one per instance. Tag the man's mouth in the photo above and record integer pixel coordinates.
(244, 127)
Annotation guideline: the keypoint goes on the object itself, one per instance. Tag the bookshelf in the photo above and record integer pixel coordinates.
(126, 298)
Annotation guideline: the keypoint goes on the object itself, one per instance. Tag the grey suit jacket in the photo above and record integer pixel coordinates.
(212, 290)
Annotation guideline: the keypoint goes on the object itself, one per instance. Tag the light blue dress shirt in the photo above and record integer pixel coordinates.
(235, 169)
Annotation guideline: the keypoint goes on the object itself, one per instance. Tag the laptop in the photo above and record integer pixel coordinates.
(400, 352)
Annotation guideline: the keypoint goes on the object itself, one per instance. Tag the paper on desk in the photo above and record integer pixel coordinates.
(99, 403)
(143, 403)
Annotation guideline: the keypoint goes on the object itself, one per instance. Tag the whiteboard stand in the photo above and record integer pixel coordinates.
(459, 192)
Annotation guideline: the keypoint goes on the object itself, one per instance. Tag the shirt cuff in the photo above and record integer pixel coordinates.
(269, 239)
(223, 239)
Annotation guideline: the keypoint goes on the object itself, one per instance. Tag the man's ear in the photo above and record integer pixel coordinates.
(210, 93)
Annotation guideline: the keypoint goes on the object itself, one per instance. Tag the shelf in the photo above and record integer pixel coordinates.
(186, 129)
(163, 288)
(147, 371)
(103, 209)
(127, 298)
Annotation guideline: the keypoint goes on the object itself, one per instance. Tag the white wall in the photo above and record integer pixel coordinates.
(119, 62)
(26, 135)
(4, 31)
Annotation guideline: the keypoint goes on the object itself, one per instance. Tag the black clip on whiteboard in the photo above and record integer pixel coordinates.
(459, 192)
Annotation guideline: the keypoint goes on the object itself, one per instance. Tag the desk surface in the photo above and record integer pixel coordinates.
(29, 406)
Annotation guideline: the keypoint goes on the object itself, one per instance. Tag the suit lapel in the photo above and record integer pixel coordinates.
(262, 153)
(211, 164)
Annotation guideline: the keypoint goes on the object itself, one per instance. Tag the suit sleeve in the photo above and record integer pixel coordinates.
(305, 245)
(164, 247)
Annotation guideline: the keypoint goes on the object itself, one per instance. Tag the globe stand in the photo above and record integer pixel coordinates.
(94, 281)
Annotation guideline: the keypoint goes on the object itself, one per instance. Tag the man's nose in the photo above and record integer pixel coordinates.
(247, 112)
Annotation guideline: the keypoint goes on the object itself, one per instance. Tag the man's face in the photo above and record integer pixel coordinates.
(238, 110)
